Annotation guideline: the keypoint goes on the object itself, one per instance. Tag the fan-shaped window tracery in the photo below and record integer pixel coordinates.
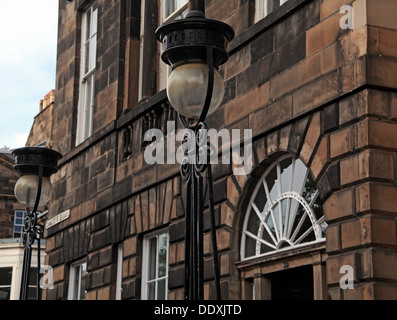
(284, 211)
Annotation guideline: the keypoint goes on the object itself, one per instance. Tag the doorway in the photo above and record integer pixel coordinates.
(292, 284)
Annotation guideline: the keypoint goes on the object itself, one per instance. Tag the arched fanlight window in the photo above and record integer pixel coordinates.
(284, 211)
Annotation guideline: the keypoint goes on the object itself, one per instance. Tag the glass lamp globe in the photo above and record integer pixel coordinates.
(187, 89)
(26, 190)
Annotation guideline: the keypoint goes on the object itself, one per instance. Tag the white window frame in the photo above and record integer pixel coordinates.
(272, 219)
(146, 265)
(85, 111)
(75, 275)
(265, 7)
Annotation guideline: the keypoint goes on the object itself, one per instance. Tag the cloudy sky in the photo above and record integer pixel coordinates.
(28, 37)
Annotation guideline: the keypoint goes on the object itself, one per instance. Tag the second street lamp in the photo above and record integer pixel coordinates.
(195, 47)
(35, 165)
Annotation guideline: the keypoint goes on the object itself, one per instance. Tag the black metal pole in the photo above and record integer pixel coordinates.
(194, 265)
(200, 251)
(196, 150)
(39, 231)
(27, 257)
(30, 234)
(198, 5)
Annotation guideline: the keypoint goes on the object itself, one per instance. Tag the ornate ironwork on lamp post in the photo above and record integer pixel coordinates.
(195, 47)
(35, 165)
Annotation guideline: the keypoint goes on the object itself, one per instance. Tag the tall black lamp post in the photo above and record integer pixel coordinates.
(35, 165)
(195, 47)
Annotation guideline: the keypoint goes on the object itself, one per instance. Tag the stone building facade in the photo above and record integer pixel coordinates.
(41, 131)
(8, 202)
(319, 205)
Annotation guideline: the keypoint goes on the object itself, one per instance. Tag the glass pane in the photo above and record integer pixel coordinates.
(265, 249)
(253, 222)
(173, 5)
(249, 246)
(169, 7)
(5, 276)
(94, 23)
(162, 257)
(88, 24)
(265, 236)
(83, 273)
(180, 3)
(88, 94)
(286, 170)
(277, 216)
(260, 198)
(161, 290)
(270, 223)
(283, 205)
(92, 53)
(309, 190)
(32, 293)
(87, 57)
(270, 6)
(20, 214)
(299, 176)
(323, 227)
(306, 224)
(88, 106)
(76, 283)
(272, 186)
(33, 277)
(5, 293)
(152, 258)
(151, 294)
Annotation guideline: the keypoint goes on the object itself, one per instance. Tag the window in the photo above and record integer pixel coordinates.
(119, 274)
(284, 211)
(5, 283)
(19, 222)
(78, 275)
(168, 10)
(171, 10)
(87, 79)
(265, 7)
(155, 267)
(32, 287)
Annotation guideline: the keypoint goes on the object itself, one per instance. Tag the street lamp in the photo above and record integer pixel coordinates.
(35, 165)
(195, 47)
